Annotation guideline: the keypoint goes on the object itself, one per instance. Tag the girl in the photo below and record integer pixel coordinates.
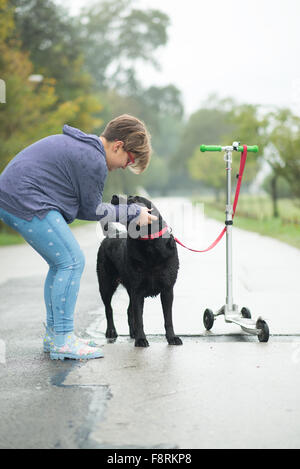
(49, 184)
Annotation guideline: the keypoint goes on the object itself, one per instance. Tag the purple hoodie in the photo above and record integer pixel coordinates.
(64, 172)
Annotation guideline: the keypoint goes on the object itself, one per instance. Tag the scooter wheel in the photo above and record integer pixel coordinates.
(263, 334)
(208, 319)
(246, 313)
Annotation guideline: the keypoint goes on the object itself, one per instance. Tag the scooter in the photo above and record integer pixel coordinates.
(230, 310)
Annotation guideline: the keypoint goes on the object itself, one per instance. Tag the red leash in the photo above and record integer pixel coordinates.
(155, 235)
(236, 198)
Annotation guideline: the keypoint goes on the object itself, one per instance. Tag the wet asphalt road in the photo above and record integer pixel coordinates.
(221, 389)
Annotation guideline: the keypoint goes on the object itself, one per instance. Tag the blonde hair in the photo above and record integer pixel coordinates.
(135, 136)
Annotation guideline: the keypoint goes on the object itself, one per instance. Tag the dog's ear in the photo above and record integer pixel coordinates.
(131, 199)
(122, 199)
(118, 199)
(115, 200)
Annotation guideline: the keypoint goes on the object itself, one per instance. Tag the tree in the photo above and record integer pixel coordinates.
(207, 125)
(161, 108)
(116, 37)
(249, 124)
(282, 186)
(222, 122)
(32, 110)
(53, 42)
(6, 20)
(156, 177)
(210, 169)
(164, 100)
(284, 154)
(204, 126)
(89, 67)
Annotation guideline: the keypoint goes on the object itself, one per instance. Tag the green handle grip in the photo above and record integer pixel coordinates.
(210, 148)
(253, 148)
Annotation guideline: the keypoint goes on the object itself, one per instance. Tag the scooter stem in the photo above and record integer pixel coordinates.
(228, 223)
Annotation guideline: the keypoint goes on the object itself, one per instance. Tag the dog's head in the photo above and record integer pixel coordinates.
(156, 225)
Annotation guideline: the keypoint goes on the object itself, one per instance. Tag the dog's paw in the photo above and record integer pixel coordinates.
(111, 333)
(174, 340)
(141, 343)
(131, 333)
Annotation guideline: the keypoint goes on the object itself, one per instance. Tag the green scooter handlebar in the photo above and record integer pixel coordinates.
(253, 148)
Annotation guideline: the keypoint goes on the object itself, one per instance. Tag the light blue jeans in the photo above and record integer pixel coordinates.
(54, 241)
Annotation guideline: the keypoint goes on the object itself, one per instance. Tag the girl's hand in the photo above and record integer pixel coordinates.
(145, 217)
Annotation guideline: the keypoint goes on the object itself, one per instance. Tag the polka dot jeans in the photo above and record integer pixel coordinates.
(54, 241)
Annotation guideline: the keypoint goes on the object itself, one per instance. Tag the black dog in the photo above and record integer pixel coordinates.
(146, 267)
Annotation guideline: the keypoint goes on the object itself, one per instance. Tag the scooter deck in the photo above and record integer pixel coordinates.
(248, 325)
(233, 315)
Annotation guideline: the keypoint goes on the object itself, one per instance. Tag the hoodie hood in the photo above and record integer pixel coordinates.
(87, 138)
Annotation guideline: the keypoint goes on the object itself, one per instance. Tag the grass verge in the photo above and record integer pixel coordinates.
(10, 237)
(273, 227)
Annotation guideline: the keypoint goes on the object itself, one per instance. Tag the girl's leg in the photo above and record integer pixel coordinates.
(17, 223)
(54, 241)
(48, 297)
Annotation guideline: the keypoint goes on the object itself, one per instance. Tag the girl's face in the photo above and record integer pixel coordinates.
(117, 157)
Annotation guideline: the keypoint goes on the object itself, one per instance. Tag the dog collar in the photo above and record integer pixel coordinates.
(155, 235)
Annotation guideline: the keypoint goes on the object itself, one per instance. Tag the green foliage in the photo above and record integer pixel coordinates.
(249, 128)
(90, 62)
(208, 125)
(116, 37)
(284, 230)
(204, 126)
(89, 67)
(53, 42)
(33, 110)
(221, 123)
(165, 130)
(284, 154)
(6, 20)
(156, 178)
(210, 169)
(283, 187)
(165, 100)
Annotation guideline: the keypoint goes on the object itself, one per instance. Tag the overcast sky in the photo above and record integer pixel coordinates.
(246, 49)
